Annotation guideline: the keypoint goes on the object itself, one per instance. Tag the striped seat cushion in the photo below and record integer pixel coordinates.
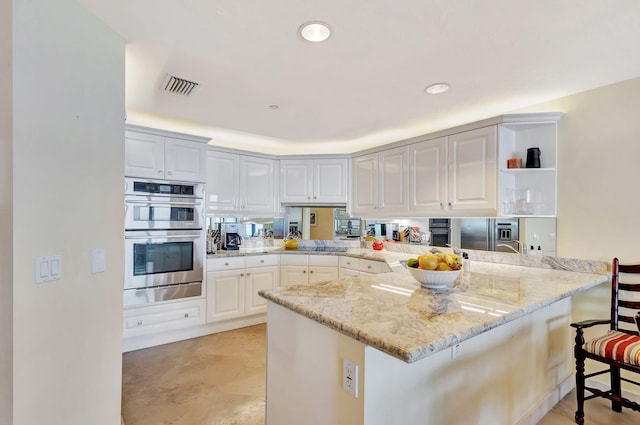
(619, 346)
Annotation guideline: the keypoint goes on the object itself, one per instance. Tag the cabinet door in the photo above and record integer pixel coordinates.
(144, 155)
(330, 180)
(293, 275)
(428, 180)
(257, 279)
(225, 295)
(185, 160)
(364, 197)
(342, 273)
(296, 181)
(393, 180)
(472, 170)
(222, 181)
(319, 274)
(256, 185)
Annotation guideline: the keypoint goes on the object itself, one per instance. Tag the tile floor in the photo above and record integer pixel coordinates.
(219, 380)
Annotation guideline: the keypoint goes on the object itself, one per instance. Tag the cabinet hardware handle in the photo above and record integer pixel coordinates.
(241, 274)
(169, 172)
(248, 274)
(139, 322)
(226, 264)
(262, 261)
(160, 171)
(450, 204)
(310, 271)
(304, 271)
(186, 315)
(442, 204)
(315, 197)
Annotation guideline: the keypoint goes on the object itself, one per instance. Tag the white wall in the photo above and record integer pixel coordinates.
(68, 152)
(598, 165)
(6, 218)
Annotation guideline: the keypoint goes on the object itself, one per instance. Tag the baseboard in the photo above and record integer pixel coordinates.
(151, 340)
(545, 405)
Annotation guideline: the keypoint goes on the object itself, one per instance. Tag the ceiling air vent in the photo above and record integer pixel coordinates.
(173, 84)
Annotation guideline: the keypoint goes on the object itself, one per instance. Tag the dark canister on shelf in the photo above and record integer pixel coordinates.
(533, 158)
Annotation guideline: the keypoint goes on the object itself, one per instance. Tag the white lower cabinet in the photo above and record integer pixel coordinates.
(302, 269)
(233, 284)
(163, 317)
(350, 266)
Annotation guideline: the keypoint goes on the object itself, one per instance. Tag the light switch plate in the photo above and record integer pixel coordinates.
(48, 268)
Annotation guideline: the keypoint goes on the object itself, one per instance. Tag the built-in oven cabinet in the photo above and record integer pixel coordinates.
(303, 269)
(314, 181)
(163, 317)
(155, 154)
(381, 183)
(233, 284)
(240, 184)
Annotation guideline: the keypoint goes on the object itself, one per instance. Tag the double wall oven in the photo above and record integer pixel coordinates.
(164, 240)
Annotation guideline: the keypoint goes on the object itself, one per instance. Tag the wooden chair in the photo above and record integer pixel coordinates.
(619, 347)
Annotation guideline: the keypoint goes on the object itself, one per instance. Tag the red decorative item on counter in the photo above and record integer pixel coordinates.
(377, 245)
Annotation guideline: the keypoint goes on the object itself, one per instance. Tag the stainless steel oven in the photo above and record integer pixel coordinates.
(164, 240)
(440, 229)
(152, 204)
(157, 262)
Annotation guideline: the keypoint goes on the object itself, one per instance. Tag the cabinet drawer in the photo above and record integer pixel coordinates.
(225, 263)
(164, 317)
(373, 267)
(349, 263)
(323, 260)
(261, 260)
(294, 259)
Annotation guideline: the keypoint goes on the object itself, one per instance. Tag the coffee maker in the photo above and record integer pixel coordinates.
(231, 239)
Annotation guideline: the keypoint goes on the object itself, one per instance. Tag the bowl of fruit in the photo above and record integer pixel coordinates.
(435, 271)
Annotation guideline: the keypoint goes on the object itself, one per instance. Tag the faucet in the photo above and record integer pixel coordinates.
(517, 251)
(455, 249)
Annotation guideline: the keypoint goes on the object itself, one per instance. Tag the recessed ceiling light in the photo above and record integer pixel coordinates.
(274, 107)
(314, 31)
(437, 88)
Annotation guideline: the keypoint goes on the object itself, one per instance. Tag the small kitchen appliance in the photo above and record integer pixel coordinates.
(533, 158)
(231, 236)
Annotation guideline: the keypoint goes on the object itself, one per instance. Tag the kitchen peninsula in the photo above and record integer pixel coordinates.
(494, 349)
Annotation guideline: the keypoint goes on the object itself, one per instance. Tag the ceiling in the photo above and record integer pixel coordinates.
(364, 86)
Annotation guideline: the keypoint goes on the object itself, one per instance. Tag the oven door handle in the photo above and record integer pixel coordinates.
(182, 236)
(131, 201)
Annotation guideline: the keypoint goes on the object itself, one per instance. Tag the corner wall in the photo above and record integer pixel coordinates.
(598, 160)
(6, 217)
(68, 163)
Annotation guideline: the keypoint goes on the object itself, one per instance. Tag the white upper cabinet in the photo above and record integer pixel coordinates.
(381, 182)
(239, 184)
(528, 191)
(428, 175)
(313, 181)
(157, 156)
(472, 171)
(223, 181)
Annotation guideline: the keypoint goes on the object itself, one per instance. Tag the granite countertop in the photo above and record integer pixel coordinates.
(393, 314)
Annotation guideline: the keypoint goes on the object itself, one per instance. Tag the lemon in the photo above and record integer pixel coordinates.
(427, 262)
(413, 263)
(291, 244)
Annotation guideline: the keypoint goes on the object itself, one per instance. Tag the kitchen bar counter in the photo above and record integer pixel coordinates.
(392, 313)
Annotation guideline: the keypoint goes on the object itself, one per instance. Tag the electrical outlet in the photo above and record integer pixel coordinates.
(350, 377)
(456, 350)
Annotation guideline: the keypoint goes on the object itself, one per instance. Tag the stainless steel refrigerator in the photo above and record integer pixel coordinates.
(488, 234)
